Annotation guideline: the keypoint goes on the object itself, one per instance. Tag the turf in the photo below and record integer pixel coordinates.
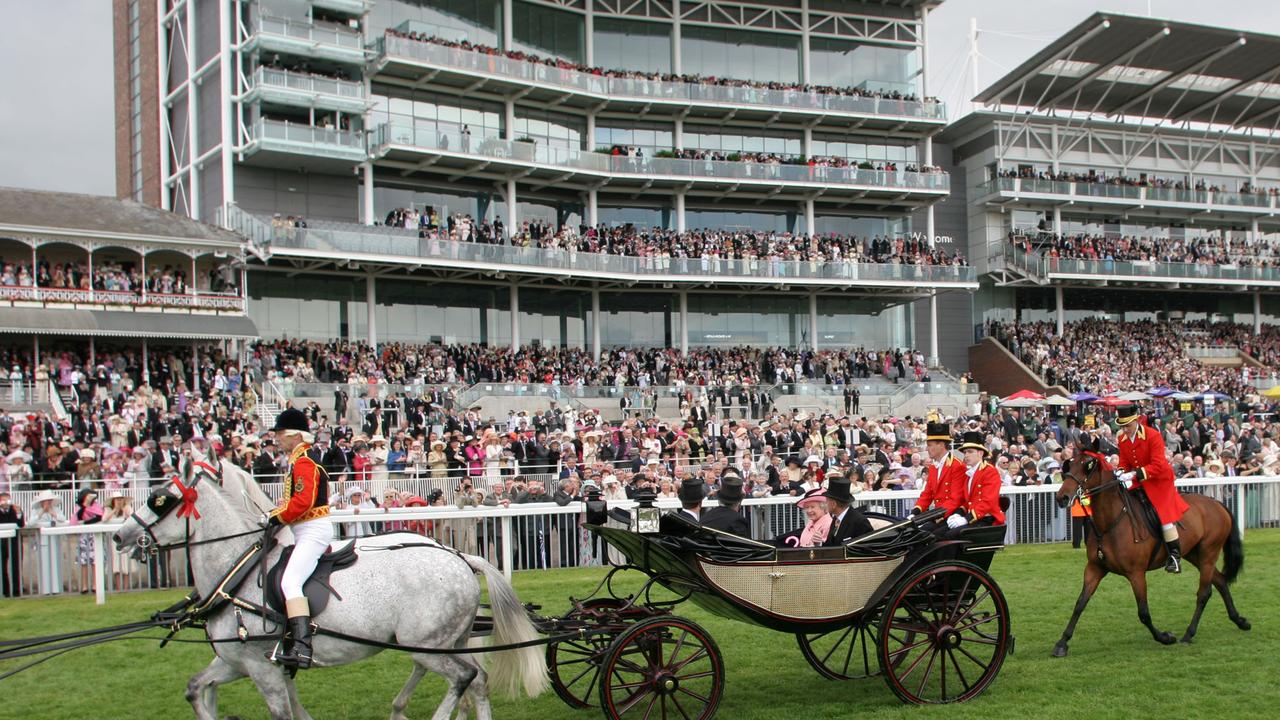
(1115, 670)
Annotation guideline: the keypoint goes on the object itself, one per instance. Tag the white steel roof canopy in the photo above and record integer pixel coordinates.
(1120, 65)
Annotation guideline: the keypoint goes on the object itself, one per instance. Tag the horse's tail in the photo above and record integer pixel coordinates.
(524, 667)
(1233, 551)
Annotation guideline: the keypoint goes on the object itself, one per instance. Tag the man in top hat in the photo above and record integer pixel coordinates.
(728, 517)
(691, 493)
(847, 522)
(303, 508)
(944, 484)
(1143, 464)
(981, 491)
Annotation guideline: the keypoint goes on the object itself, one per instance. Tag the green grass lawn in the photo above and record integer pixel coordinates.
(1115, 669)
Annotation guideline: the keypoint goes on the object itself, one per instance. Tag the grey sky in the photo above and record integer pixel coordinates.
(57, 110)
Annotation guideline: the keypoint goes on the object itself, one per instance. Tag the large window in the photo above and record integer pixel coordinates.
(866, 227)
(638, 216)
(632, 45)
(740, 54)
(479, 21)
(548, 32)
(864, 151)
(840, 63)
(650, 136)
(637, 319)
(731, 220)
(760, 320)
(710, 139)
(553, 129)
(440, 114)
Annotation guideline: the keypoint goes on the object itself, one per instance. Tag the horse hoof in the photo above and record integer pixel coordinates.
(1166, 638)
(1060, 650)
(1243, 624)
(1186, 640)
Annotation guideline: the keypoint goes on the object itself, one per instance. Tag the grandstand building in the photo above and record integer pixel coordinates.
(312, 126)
(1152, 139)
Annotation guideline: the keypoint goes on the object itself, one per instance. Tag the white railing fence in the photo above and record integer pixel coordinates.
(48, 560)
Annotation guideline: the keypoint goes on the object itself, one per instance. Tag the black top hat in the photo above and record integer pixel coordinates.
(292, 419)
(730, 490)
(938, 431)
(838, 490)
(730, 472)
(973, 440)
(1126, 414)
(793, 460)
(692, 490)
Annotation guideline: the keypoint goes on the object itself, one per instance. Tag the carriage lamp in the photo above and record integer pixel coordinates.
(597, 508)
(645, 520)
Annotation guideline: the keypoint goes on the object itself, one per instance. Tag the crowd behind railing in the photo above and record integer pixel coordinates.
(1097, 177)
(1103, 356)
(1200, 250)
(113, 277)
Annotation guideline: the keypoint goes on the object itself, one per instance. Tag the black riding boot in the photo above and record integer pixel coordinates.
(296, 652)
(1173, 564)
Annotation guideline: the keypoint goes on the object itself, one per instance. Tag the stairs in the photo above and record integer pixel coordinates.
(267, 412)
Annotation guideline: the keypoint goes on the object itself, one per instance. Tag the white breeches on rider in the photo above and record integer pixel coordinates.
(310, 540)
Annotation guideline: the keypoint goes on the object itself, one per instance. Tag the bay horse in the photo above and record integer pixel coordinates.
(1119, 541)
(404, 589)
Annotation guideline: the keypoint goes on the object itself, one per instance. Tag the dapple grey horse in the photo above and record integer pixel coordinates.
(418, 596)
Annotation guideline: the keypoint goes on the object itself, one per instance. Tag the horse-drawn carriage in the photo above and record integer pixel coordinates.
(924, 613)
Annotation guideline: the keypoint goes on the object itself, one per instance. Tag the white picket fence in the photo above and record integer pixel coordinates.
(543, 535)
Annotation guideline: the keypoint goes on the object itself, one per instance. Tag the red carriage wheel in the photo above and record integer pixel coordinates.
(663, 667)
(574, 665)
(847, 653)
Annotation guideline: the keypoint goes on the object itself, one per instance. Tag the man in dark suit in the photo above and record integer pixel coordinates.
(728, 517)
(847, 522)
(691, 492)
(340, 398)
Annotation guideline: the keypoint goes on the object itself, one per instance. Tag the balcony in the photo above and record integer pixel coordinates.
(307, 39)
(270, 138)
(400, 60)
(1164, 274)
(381, 244)
(1111, 197)
(28, 296)
(440, 148)
(349, 7)
(305, 90)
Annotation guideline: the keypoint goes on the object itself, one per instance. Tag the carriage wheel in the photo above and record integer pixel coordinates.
(574, 664)
(847, 653)
(944, 634)
(664, 667)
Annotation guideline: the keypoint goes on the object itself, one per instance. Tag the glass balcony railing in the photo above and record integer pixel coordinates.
(1131, 193)
(314, 84)
(447, 138)
(647, 90)
(309, 139)
(407, 244)
(1045, 266)
(312, 32)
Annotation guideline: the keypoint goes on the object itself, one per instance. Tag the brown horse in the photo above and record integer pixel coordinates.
(1120, 542)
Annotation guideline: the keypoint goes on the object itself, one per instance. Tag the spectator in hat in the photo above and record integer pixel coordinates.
(87, 512)
(728, 516)
(692, 491)
(847, 522)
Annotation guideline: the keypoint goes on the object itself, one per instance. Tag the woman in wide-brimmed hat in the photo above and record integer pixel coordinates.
(818, 520)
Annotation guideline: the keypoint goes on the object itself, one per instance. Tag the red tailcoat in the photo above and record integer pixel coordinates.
(1145, 455)
(982, 493)
(946, 489)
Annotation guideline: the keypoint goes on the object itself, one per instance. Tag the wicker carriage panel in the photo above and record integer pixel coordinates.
(802, 591)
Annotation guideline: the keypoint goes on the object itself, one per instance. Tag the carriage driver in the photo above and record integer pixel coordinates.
(1143, 464)
(303, 509)
(945, 482)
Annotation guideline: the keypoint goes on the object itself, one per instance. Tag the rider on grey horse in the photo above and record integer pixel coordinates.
(303, 508)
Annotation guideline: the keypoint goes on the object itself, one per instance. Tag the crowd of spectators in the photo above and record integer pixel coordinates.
(687, 78)
(1103, 356)
(1095, 177)
(112, 276)
(1201, 250)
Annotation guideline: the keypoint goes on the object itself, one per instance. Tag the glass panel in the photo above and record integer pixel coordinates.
(479, 21)
(547, 31)
(632, 45)
(870, 68)
(715, 52)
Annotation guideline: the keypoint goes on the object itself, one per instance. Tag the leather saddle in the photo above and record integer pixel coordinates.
(1148, 513)
(317, 588)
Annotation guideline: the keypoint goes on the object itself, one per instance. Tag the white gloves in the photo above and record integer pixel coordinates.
(1126, 479)
(957, 521)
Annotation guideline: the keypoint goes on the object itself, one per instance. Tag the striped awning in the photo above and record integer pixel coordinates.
(107, 323)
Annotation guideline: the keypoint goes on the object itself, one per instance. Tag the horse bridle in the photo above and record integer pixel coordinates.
(1083, 493)
(161, 504)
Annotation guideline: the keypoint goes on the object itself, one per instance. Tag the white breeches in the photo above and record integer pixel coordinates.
(310, 540)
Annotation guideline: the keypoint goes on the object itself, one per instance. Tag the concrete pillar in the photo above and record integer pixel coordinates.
(677, 66)
(595, 323)
(809, 217)
(684, 322)
(195, 366)
(508, 24)
(589, 142)
(193, 274)
(1257, 313)
(511, 209)
(929, 226)
(370, 217)
(680, 221)
(370, 305)
(146, 364)
(805, 64)
(813, 321)
(35, 350)
(1061, 312)
(93, 355)
(515, 316)
(593, 201)
(933, 328)
(1057, 221)
(1253, 231)
(677, 135)
(509, 119)
(806, 142)
(589, 29)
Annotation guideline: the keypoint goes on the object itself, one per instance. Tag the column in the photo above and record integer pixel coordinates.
(595, 323)
(593, 199)
(192, 284)
(1057, 294)
(508, 23)
(369, 217)
(35, 350)
(193, 274)
(684, 322)
(195, 366)
(143, 265)
(515, 316)
(805, 63)
(806, 142)
(929, 226)
(1257, 312)
(677, 136)
(511, 208)
(1057, 221)
(813, 321)
(1253, 231)
(509, 119)
(808, 217)
(933, 328)
(35, 285)
(589, 143)
(589, 29)
(370, 307)
(680, 222)
(146, 364)
(676, 64)
(93, 355)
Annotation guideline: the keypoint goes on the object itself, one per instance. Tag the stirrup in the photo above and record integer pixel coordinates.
(1173, 565)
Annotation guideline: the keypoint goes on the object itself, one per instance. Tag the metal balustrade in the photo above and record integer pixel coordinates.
(1140, 194)
(126, 298)
(311, 32)
(1040, 265)
(272, 77)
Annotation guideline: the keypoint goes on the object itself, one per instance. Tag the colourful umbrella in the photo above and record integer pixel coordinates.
(1085, 397)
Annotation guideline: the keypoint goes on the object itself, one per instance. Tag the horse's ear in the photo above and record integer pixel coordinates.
(1066, 466)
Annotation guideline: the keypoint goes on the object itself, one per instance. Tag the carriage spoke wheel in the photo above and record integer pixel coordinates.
(846, 653)
(664, 668)
(944, 634)
(574, 665)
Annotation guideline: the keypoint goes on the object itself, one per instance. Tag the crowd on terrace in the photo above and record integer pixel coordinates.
(113, 276)
(687, 78)
(1096, 177)
(1201, 250)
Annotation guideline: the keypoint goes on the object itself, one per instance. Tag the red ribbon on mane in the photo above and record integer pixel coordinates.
(1102, 459)
(189, 496)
